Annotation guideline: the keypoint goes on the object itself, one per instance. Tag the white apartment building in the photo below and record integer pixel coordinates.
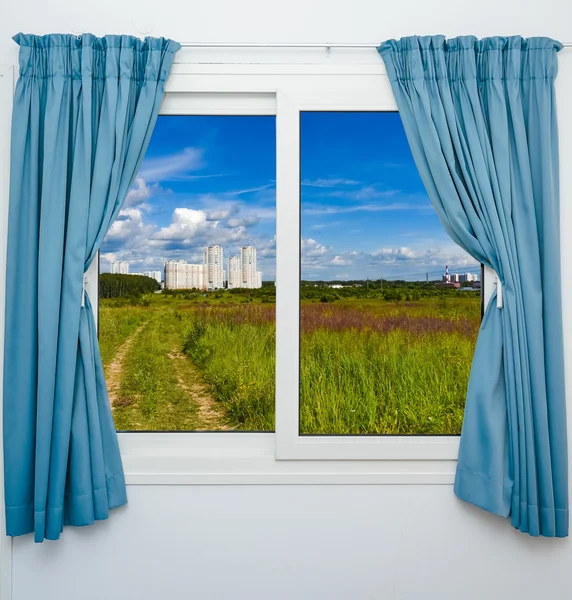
(250, 278)
(234, 272)
(465, 277)
(120, 267)
(211, 275)
(156, 275)
(196, 277)
(214, 265)
(181, 275)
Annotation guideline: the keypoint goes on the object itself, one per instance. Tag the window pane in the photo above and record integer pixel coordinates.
(390, 306)
(187, 284)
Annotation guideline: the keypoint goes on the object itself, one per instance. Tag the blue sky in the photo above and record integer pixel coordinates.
(204, 180)
(211, 180)
(365, 212)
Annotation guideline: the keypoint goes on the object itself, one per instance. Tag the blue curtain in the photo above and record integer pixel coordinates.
(480, 118)
(84, 110)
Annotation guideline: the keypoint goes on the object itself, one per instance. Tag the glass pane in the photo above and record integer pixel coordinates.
(390, 306)
(187, 284)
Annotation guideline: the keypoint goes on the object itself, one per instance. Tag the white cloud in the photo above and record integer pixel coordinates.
(391, 262)
(367, 192)
(402, 253)
(313, 253)
(173, 166)
(247, 221)
(328, 182)
(140, 192)
(345, 259)
(218, 215)
(334, 210)
(186, 223)
(129, 224)
(311, 247)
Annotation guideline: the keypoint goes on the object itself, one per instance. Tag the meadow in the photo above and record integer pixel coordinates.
(396, 362)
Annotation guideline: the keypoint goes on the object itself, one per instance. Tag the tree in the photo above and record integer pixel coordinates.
(114, 285)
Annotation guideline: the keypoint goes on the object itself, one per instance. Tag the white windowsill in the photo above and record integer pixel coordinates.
(250, 459)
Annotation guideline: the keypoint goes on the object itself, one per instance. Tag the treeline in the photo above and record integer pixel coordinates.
(257, 292)
(391, 291)
(123, 286)
(267, 293)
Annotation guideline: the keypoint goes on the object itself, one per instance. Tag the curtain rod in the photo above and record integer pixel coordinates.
(294, 45)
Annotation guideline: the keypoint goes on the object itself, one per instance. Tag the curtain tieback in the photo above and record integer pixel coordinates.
(498, 283)
(83, 290)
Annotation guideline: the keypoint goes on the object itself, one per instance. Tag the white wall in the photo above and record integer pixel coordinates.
(294, 543)
(298, 542)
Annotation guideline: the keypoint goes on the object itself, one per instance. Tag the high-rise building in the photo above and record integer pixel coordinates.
(214, 264)
(175, 274)
(156, 275)
(466, 277)
(181, 275)
(211, 275)
(120, 267)
(234, 272)
(248, 263)
(196, 277)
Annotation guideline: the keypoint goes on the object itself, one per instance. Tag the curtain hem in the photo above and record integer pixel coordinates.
(84, 510)
(495, 498)
(482, 492)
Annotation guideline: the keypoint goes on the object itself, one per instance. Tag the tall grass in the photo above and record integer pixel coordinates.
(150, 396)
(386, 369)
(235, 350)
(394, 382)
(116, 325)
(366, 367)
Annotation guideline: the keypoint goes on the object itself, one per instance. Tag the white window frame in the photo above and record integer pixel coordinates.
(351, 83)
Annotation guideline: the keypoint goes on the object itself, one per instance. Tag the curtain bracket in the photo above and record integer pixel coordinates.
(498, 283)
(85, 280)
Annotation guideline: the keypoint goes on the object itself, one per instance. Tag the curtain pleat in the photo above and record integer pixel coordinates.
(84, 111)
(480, 118)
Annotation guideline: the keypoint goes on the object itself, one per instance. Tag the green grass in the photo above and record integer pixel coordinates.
(384, 368)
(150, 396)
(367, 365)
(383, 383)
(237, 360)
(116, 324)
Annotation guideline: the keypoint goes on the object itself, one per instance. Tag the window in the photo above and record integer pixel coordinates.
(282, 98)
(187, 281)
(390, 306)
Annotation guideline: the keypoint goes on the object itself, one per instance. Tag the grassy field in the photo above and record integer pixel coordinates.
(367, 365)
(372, 367)
(116, 325)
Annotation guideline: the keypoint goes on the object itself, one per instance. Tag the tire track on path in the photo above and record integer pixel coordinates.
(211, 414)
(115, 367)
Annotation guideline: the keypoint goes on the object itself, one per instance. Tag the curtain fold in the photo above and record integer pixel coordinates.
(84, 111)
(480, 117)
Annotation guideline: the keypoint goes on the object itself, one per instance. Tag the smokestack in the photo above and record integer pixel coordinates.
(447, 276)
